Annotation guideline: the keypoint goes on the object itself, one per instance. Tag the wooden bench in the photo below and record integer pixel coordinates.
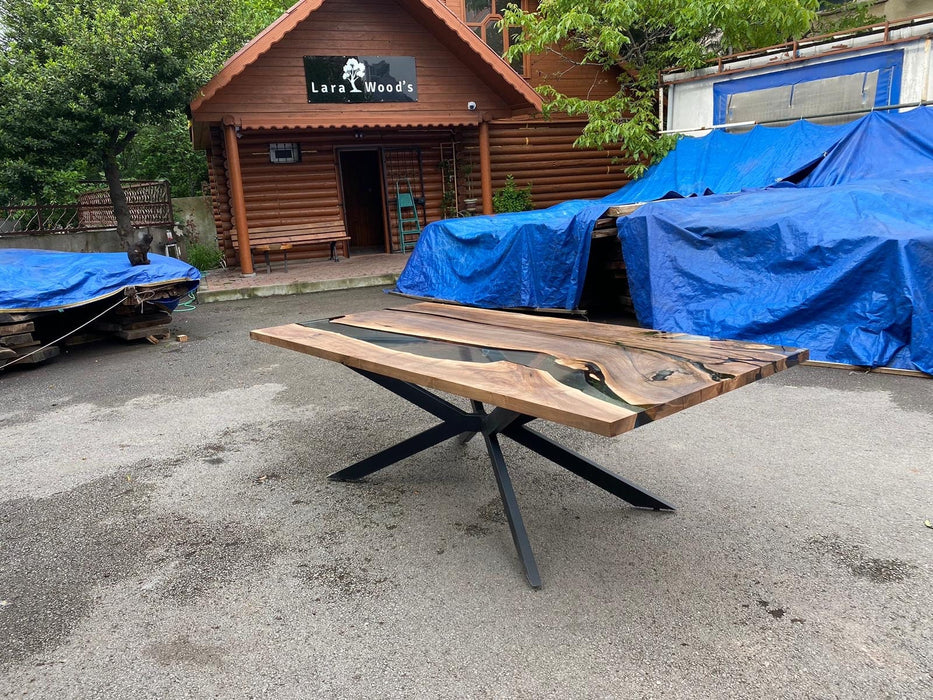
(266, 239)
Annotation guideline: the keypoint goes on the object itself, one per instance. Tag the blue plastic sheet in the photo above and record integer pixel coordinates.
(42, 280)
(721, 162)
(538, 259)
(841, 264)
(531, 259)
(883, 146)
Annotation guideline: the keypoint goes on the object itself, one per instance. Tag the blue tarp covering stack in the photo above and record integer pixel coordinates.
(723, 162)
(538, 259)
(42, 280)
(840, 262)
(529, 259)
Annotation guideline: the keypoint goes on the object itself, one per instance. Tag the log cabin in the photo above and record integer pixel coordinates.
(371, 118)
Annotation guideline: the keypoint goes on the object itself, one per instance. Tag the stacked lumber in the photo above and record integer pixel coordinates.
(135, 322)
(18, 340)
(606, 288)
(39, 336)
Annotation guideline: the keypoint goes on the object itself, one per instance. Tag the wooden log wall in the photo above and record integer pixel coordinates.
(542, 154)
(280, 194)
(277, 194)
(220, 194)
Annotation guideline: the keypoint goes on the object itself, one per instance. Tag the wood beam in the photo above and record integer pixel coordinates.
(485, 167)
(237, 197)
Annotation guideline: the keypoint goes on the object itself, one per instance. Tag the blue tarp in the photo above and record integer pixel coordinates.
(531, 259)
(721, 162)
(841, 263)
(42, 280)
(883, 146)
(538, 259)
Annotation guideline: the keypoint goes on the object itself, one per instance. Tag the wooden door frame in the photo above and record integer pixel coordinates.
(383, 196)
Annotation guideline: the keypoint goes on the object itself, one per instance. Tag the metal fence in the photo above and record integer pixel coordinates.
(150, 204)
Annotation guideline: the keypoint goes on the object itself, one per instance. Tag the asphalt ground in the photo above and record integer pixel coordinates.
(167, 531)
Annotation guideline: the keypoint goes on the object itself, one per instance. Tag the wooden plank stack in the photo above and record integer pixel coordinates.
(133, 323)
(606, 288)
(23, 335)
(18, 340)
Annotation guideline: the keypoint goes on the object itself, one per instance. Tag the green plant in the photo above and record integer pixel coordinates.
(465, 169)
(634, 41)
(80, 79)
(837, 17)
(449, 198)
(512, 198)
(203, 257)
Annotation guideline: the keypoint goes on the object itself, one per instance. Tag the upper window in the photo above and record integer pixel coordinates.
(832, 92)
(482, 16)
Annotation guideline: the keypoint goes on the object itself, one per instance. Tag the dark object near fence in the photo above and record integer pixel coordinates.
(139, 252)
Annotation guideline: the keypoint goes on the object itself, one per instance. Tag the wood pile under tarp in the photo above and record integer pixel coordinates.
(130, 324)
(65, 299)
(606, 288)
(28, 339)
(18, 340)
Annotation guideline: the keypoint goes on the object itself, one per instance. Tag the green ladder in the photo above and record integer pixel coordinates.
(408, 222)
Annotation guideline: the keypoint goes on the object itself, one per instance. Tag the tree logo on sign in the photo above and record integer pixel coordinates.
(354, 70)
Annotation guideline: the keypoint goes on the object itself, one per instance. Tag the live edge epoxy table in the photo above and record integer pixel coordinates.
(605, 379)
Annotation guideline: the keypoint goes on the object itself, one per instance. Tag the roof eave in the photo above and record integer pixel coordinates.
(471, 49)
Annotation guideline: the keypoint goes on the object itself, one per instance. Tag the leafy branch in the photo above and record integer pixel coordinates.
(635, 40)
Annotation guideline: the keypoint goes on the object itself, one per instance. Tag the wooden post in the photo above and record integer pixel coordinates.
(236, 194)
(485, 167)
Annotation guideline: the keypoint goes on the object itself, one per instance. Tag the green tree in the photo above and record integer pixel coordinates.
(164, 152)
(839, 15)
(639, 38)
(79, 79)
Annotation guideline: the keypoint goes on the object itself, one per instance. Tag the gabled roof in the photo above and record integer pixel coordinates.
(434, 15)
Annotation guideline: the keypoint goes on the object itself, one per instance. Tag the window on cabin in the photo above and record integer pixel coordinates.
(284, 153)
(482, 16)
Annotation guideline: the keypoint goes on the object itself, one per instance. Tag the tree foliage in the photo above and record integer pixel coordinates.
(164, 152)
(639, 38)
(80, 79)
(839, 16)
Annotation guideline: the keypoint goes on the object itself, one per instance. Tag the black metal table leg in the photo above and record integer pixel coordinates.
(500, 421)
(585, 468)
(478, 410)
(396, 453)
(510, 503)
(422, 398)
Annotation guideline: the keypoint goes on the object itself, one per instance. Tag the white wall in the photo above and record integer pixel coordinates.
(690, 104)
(917, 82)
(899, 9)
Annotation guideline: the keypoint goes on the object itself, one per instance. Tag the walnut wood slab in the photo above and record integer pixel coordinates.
(605, 379)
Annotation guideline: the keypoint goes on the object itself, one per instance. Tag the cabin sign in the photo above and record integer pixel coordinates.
(348, 79)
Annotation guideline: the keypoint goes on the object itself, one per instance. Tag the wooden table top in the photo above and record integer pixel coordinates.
(598, 377)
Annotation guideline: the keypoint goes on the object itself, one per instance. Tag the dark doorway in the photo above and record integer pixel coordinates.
(362, 200)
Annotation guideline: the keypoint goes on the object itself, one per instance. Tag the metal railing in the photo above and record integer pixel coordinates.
(150, 204)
